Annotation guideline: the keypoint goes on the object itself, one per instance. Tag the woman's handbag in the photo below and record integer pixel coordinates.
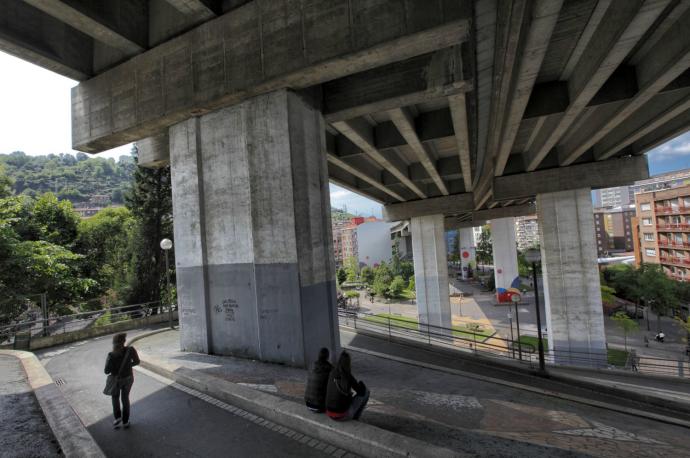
(111, 380)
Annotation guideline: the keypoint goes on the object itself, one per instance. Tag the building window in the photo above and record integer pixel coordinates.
(646, 221)
(648, 237)
(650, 252)
(645, 207)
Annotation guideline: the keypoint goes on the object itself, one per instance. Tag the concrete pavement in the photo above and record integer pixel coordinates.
(165, 421)
(462, 413)
(23, 431)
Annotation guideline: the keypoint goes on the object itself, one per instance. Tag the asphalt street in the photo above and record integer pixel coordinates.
(165, 421)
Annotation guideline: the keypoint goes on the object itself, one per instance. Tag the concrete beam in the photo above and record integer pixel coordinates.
(25, 32)
(335, 160)
(542, 21)
(154, 152)
(662, 134)
(257, 48)
(198, 10)
(626, 23)
(350, 182)
(654, 73)
(595, 175)
(409, 82)
(361, 134)
(403, 120)
(122, 25)
(480, 217)
(445, 205)
(458, 110)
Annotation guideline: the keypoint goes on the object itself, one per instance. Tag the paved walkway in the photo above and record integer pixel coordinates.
(166, 420)
(454, 411)
(23, 429)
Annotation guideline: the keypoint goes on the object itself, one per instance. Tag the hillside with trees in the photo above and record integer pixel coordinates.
(74, 178)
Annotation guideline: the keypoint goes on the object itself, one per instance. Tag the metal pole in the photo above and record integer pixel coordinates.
(44, 308)
(167, 281)
(517, 322)
(512, 341)
(540, 343)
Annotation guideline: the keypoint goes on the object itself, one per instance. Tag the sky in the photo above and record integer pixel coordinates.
(35, 118)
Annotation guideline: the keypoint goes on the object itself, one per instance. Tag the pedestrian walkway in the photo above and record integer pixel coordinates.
(24, 431)
(460, 412)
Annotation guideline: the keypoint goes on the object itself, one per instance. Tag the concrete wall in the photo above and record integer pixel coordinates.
(505, 251)
(255, 268)
(374, 243)
(431, 270)
(574, 316)
(468, 255)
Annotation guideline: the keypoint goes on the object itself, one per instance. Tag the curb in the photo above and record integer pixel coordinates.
(360, 438)
(555, 394)
(612, 389)
(70, 432)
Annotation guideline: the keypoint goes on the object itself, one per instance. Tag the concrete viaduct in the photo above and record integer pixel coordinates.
(449, 112)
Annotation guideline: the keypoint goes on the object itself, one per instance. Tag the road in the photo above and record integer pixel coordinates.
(165, 421)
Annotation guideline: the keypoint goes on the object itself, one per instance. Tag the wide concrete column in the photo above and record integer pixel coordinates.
(255, 268)
(467, 250)
(431, 270)
(574, 316)
(505, 252)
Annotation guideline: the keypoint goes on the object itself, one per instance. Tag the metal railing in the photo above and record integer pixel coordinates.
(54, 325)
(494, 346)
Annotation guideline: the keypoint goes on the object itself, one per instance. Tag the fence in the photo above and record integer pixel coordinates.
(496, 347)
(22, 333)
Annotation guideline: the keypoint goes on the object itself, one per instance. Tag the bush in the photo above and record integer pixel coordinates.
(396, 287)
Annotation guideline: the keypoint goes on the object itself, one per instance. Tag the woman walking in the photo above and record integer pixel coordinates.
(118, 366)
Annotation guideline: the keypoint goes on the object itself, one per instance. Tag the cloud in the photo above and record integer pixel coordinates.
(677, 148)
(341, 194)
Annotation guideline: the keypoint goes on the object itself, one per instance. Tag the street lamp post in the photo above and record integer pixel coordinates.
(516, 300)
(512, 341)
(166, 245)
(534, 256)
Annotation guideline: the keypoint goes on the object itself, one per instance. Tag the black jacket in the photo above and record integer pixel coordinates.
(114, 361)
(315, 394)
(339, 392)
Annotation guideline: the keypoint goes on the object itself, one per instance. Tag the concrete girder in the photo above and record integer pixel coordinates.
(198, 71)
(447, 168)
(23, 32)
(360, 133)
(480, 217)
(335, 160)
(458, 110)
(654, 73)
(154, 152)
(625, 24)
(664, 133)
(444, 205)
(348, 181)
(400, 84)
(404, 121)
(125, 28)
(644, 122)
(199, 10)
(542, 21)
(595, 175)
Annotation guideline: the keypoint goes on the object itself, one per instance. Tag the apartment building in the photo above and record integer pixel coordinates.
(613, 229)
(664, 230)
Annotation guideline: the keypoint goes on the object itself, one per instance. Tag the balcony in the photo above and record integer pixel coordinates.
(668, 227)
(671, 244)
(681, 209)
(675, 261)
(678, 277)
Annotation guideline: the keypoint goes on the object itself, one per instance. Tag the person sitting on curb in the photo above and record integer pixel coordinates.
(340, 403)
(317, 383)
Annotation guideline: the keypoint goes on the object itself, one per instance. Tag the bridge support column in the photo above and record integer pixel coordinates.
(255, 269)
(574, 316)
(431, 271)
(467, 250)
(505, 252)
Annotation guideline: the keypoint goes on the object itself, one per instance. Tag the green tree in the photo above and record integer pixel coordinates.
(411, 286)
(658, 290)
(608, 295)
(382, 279)
(351, 266)
(56, 219)
(5, 183)
(396, 287)
(485, 251)
(342, 276)
(626, 324)
(367, 275)
(150, 202)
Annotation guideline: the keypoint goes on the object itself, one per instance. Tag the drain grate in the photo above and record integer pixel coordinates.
(59, 382)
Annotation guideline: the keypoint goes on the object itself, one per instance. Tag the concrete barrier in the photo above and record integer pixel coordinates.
(70, 432)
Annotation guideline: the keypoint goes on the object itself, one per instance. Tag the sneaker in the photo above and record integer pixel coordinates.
(116, 424)
(125, 425)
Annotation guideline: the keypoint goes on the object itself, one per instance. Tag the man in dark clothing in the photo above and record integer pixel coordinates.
(340, 403)
(315, 394)
(119, 363)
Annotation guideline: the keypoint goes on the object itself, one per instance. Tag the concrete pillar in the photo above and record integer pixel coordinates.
(467, 250)
(255, 268)
(431, 270)
(574, 316)
(505, 254)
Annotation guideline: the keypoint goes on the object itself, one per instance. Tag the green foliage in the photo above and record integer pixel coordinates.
(5, 183)
(608, 295)
(411, 286)
(351, 294)
(56, 219)
(396, 287)
(341, 276)
(657, 290)
(73, 178)
(485, 251)
(626, 324)
(367, 275)
(382, 279)
(351, 266)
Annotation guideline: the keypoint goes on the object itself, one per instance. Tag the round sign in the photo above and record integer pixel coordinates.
(515, 298)
(465, 254)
